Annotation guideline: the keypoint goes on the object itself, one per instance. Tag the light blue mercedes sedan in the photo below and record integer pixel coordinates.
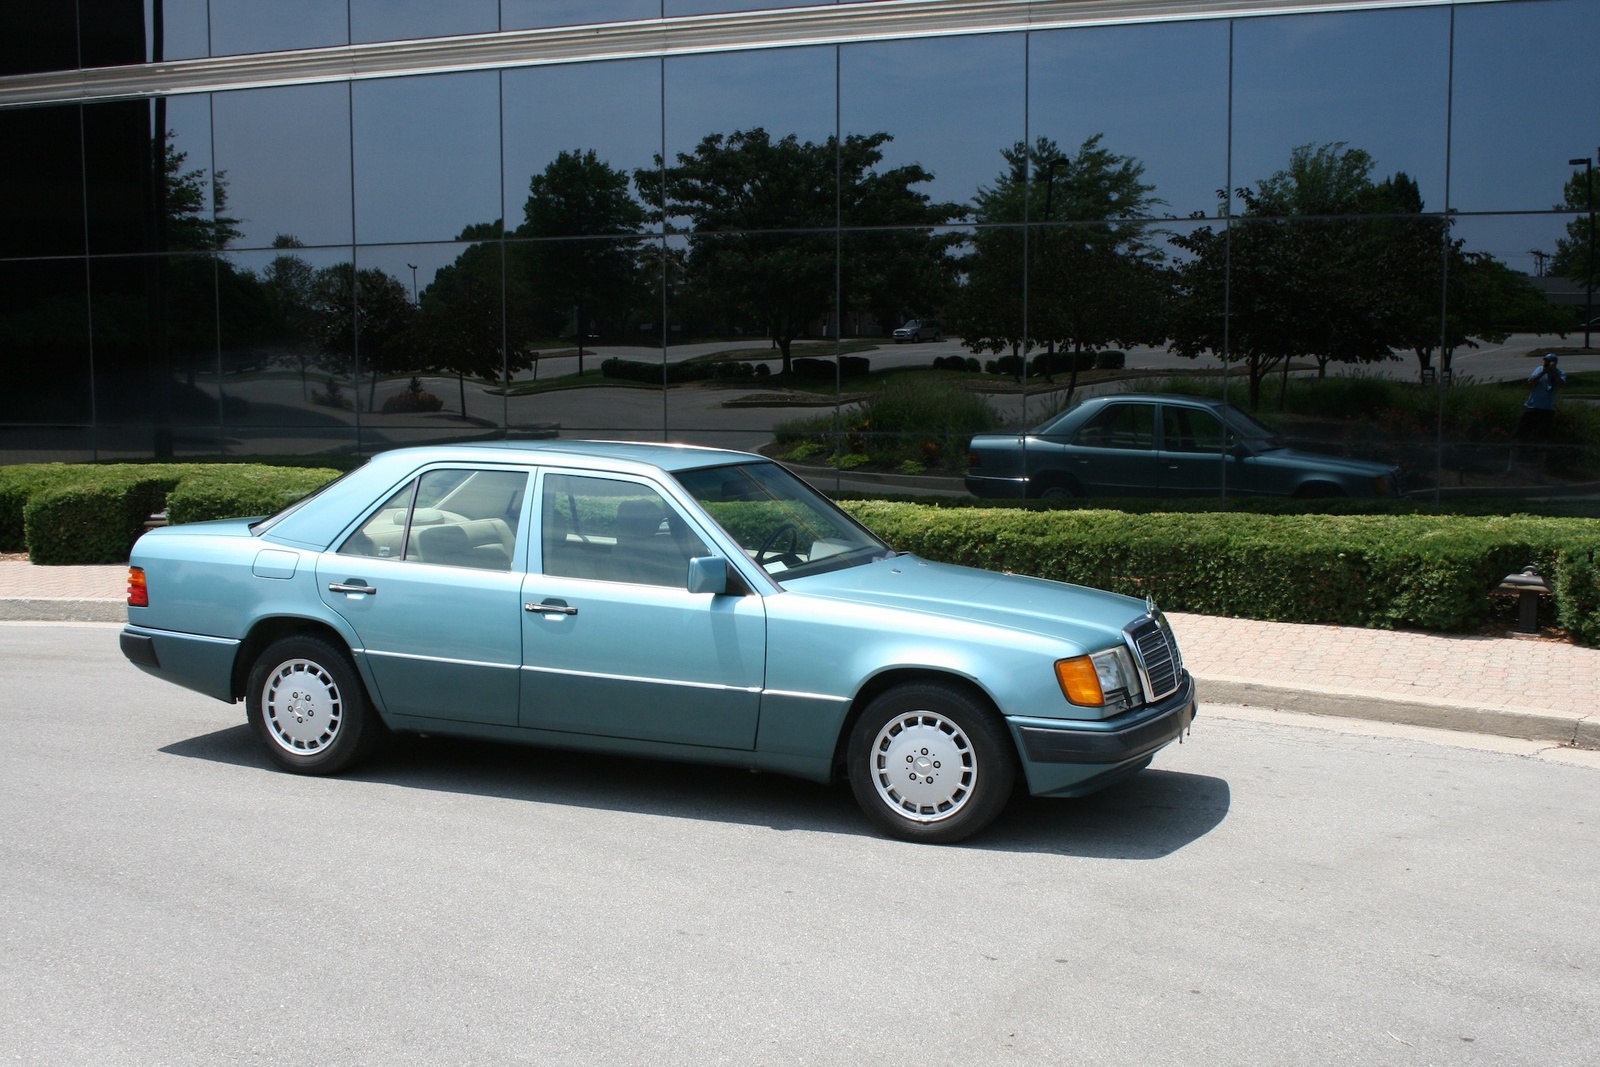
(653, 600)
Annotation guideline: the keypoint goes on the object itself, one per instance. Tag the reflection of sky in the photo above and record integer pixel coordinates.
(1527, 100)
(1374, 80)
(427, 156)
(286, 154)
(951, 103)
(428, 153)
(786, 91)
(613, 108)
(1158, 93)
(395, 20)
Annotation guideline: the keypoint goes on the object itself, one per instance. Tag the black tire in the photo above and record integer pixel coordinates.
(930, 762)
(308, 707)
(1049, 486)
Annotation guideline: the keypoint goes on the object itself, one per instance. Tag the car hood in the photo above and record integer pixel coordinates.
(1317, 461)
(1090, 618)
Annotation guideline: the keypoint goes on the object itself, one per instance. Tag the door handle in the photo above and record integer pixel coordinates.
(549, 609)
(352, 587)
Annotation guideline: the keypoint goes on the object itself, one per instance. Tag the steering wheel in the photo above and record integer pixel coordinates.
(789, 556)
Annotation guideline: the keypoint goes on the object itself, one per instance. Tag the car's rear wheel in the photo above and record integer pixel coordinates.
(930, 762)
(308, 707)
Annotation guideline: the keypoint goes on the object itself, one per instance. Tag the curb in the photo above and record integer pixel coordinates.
(1532, 725)
(62, 609)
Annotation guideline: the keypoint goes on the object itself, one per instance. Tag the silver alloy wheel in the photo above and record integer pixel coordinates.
(923, 766)
(301, 706)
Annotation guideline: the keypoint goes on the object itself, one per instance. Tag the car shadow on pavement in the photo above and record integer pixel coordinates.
(1149, 816)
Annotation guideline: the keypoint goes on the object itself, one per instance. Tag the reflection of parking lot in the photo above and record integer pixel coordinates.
(703, 415)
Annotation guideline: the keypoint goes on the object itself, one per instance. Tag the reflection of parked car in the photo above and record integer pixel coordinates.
(1151, 445)
(919, 330)
(651, 600)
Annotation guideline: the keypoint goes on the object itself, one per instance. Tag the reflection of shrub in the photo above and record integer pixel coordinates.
(921, 420)
(958, 363)
(414, 399)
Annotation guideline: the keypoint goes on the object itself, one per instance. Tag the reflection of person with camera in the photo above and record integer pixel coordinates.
(1539, 412)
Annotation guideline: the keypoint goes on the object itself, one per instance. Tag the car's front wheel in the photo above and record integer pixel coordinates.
(308, 707)
(930, 762)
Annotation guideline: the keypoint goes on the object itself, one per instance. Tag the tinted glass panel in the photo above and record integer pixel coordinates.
(285, 156)
(1513, 133)
(427, 156)
(41, 204)
(44, 324)
(528, 14)
(571, 170)
(1170, 120)
(405, 20)
(1370, 85)
(243, 26)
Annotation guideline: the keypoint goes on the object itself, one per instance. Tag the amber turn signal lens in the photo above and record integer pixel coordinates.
(1080, 681)
(138, 591)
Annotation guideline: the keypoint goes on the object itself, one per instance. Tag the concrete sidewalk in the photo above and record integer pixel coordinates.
(1536, 689)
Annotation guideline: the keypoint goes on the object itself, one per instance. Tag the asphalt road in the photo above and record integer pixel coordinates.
(1269, 893)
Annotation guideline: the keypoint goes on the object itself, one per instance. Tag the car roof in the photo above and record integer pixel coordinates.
(336, 506)
(660, 455)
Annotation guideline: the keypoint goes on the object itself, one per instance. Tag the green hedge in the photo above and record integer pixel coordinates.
(63, 514)
(1386, 571)
(226, 491)
(97, 517)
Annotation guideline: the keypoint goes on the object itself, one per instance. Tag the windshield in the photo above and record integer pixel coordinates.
(784, 525)
(1242, 425)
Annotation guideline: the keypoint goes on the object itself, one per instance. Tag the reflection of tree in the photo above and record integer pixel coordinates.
(289, 283)
(1427, 272)
(1093, 277)
(1325, 264)
(579, 253)
(363, 315)
(460, 326)
(1572, 259)
(1305, 272)
(764, 215)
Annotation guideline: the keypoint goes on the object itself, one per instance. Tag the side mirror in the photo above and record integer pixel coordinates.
(708, 574)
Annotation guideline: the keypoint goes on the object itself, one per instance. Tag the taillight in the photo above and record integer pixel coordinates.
(138, 591)
(973, 460)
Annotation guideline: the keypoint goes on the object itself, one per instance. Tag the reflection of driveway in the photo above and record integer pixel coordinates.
(699, 412)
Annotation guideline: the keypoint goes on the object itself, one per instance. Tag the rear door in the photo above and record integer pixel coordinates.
(431, 582)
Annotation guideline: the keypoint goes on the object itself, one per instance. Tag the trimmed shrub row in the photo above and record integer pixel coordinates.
(64, 514)
(1392, 571)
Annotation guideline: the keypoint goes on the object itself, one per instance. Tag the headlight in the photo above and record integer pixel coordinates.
(1104, 679)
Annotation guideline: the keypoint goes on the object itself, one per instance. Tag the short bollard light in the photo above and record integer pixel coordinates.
(1527, 586)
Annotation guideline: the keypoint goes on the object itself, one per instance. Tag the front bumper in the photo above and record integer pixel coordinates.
(1069, 758)
(1127, 736)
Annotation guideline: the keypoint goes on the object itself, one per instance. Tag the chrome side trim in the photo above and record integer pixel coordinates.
(710, 686)
(436, 659)
(643, 39)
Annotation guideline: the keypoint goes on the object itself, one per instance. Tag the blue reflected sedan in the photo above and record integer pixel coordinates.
(1155, 445)
(678, 602)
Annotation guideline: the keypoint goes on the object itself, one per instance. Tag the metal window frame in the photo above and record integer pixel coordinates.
(841, 24)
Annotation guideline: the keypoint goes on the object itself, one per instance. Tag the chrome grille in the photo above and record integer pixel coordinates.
(1159, 660)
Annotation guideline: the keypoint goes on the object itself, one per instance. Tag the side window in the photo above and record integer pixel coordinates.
(1189, 430)
(455, 517)
(614, 531)
(1130, 426)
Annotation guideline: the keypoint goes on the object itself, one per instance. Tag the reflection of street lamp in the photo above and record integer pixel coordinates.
(1588, 288)
(413, 267)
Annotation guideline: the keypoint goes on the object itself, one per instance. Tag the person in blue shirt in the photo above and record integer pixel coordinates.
(1539, 411)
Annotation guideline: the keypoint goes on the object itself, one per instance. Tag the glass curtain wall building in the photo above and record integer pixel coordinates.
(339, 226)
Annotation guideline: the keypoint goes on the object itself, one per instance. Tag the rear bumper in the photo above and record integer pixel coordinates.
(194, 661)
(1127, 737)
